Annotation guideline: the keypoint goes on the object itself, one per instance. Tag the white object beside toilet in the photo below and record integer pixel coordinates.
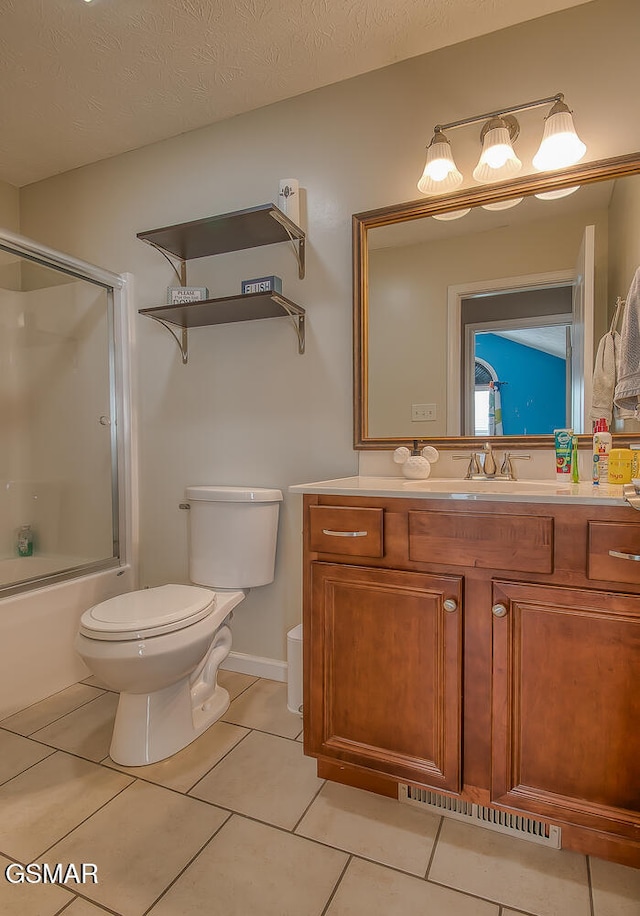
(161, 648)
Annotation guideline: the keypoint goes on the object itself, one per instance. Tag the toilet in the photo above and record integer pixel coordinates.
(160, 648)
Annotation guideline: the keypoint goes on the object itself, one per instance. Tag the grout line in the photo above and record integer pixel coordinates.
(473, 896)
(212, 768)
(54, 720)
(433, 849)
(262, 731)
(189, 863)
(101, 907)
(337, 885)
(303, 815)
(84, 820)
(31, 765)
(590, 885)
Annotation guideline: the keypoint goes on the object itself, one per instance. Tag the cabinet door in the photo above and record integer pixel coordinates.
(385, 672)
(566, 704)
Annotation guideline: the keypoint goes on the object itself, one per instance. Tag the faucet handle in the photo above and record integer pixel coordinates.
(474, 467)
(507, 467)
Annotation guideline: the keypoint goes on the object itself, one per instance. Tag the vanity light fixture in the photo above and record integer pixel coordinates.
(498, 161)
(440, 172)
(560, 146)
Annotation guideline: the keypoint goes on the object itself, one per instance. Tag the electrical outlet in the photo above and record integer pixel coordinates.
(423, 412)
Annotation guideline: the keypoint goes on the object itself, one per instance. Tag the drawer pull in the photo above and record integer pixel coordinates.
(499, 610)
(624, 556)
(450, 605)
(345, 534)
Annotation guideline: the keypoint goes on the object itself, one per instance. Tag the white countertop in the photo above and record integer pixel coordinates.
(529, 491)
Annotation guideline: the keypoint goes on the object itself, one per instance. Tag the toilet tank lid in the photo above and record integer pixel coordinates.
(235, 494)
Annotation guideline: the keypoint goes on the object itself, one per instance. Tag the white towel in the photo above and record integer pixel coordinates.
(605, 376)
(627, 390)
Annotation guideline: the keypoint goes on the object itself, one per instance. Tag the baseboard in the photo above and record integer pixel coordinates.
(271, 668)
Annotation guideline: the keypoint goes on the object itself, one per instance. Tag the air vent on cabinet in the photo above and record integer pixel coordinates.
(502, 821)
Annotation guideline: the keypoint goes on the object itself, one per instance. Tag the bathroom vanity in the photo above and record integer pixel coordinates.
(480, 643)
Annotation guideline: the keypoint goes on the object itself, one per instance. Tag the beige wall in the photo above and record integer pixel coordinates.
(624, 234)
(248, 408)
(9, 207)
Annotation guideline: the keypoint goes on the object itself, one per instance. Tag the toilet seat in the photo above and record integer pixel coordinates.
(148, 612)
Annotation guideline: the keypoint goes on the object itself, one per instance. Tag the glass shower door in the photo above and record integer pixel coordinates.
(58, 449)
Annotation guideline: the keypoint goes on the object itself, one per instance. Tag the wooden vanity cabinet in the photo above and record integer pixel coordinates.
(489, 651)
(566, 704)
(387, 658)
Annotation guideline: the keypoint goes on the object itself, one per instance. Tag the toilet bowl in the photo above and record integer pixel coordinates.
(160, 648)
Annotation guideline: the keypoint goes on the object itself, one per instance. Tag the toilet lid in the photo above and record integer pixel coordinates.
(148, 612)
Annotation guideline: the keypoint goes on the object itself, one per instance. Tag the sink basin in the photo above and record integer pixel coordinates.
(497, 486)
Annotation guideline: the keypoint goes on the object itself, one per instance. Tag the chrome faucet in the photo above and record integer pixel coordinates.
(486, 468)
(489, 466)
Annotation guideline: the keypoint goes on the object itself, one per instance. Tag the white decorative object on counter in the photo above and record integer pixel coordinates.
(416, 464)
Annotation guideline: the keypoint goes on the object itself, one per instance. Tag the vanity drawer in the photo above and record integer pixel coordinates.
(621, 537)
(345, 530)
(521, 543)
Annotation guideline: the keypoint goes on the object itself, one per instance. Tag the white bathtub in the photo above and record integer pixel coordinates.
(37, 631)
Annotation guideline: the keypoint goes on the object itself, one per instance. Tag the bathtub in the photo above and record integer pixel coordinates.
(37, 632)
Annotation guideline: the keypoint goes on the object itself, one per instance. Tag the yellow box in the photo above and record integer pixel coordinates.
(620, 465)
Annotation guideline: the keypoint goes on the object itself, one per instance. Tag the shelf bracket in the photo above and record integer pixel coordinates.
(299, 251)
(180, 274)
(297, 243)
(297, 319)
(182, 340)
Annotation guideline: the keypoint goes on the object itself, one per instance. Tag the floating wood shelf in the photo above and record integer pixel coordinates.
(252, 228)
(249, 307)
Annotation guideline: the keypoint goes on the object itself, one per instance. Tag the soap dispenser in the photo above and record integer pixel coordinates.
(416, 464)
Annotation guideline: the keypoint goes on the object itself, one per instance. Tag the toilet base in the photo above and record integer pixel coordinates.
(152, 726)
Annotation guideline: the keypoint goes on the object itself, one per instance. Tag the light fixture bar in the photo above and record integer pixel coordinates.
(559, 97)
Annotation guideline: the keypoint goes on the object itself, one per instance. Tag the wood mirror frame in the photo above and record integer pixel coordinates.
(602, 170)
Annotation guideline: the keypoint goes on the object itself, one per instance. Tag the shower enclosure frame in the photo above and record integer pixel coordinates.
(123, 457)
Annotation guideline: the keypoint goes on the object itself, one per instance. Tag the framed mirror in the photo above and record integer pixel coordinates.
(478, 314)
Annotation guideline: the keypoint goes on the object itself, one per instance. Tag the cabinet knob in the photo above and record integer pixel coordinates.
(450, 605)
(499, 610)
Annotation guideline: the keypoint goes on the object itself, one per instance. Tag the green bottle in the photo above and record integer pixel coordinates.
(25, 541)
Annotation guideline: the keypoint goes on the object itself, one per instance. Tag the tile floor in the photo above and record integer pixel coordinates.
(238, 824)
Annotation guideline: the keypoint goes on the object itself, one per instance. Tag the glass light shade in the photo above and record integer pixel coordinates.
(560, 146)
(440, 172)
(498, 159)
(451, 214)
(503, 204)
(555, 195)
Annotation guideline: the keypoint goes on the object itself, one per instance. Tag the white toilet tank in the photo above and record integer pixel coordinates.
(232, 535)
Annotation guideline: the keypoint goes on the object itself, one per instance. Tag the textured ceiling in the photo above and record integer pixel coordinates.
(83, 81)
